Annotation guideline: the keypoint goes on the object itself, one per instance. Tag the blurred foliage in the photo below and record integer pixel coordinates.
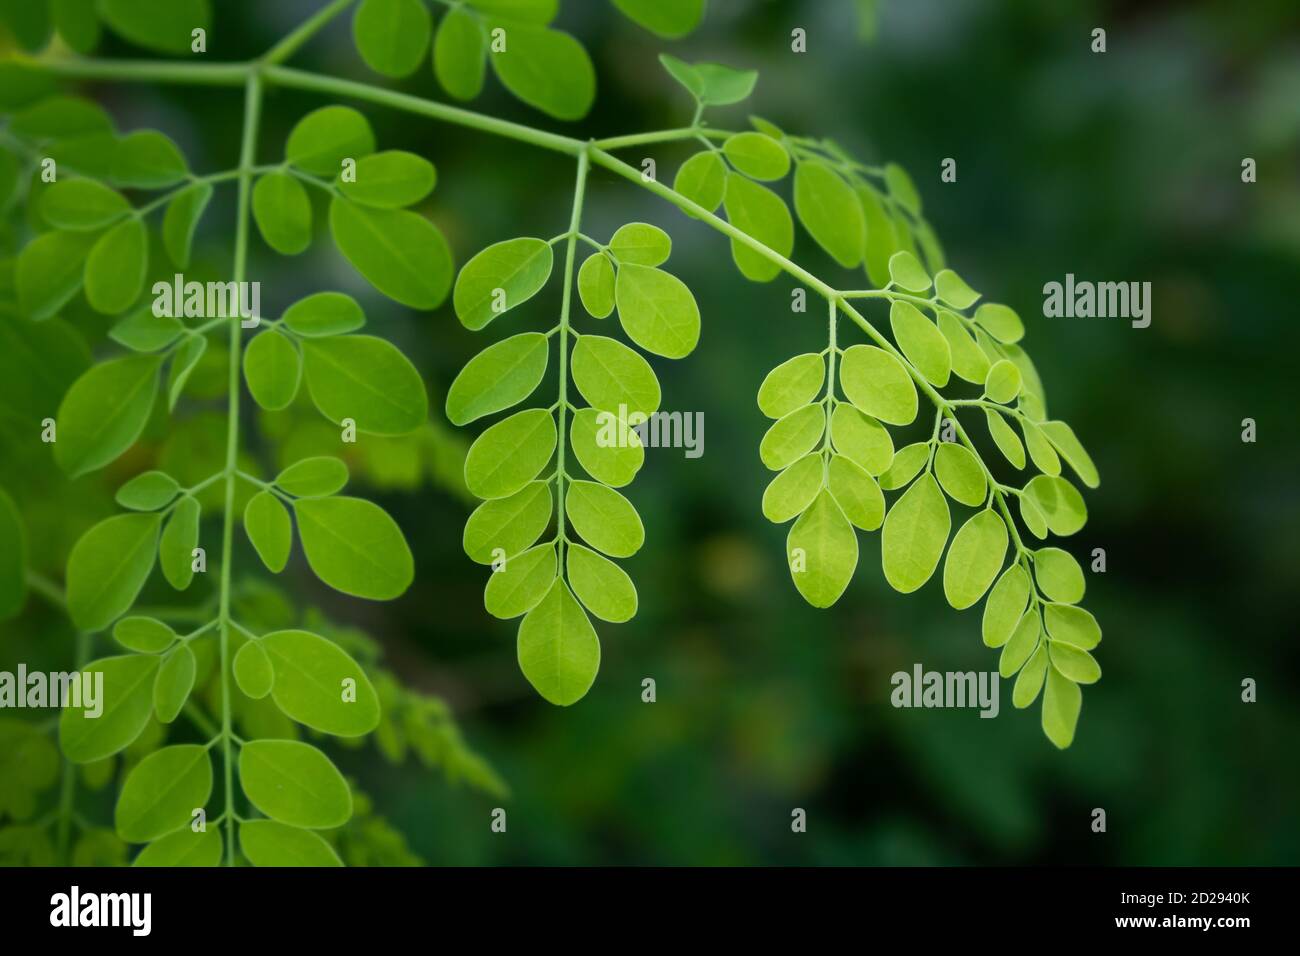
(1123, 166)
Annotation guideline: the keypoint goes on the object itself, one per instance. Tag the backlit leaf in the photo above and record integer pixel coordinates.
(392, 36)
(559, 652)
(757, 156)
(313, 477)
(877, 383)
(108, 566)
(960, 474)
(606, 447)
(613, 377)
(1000, 321)
(547, 69)
(703, 180)
(793, 490)
(604, 518)
(829, 210)
(162, 792)
(148, 492)
(368, 380)
(501, 277)
(148, 160)
(657, 310)
(511, 453)
(323, 139)
(793, 436)
(596, 285)
(318, 684)
(127, 706)
(174, 682)
(253, 670)
(968, 360)
(601, 585)
(978, 550)
(324, 314)
(916, 530)
(182, 219)
(1072, 625)
(792, 384)
(273, 370)
(670, 19)
(179, 539)
(922, 342)
(354, 547)
(862, 439)
(822, 550)
(282, 211)
(268, 843)
(460, 53)
(641, 244)
(500, 376)
(401, 254)
(508, 525)
(760, 213)
(518, 585)
(1062, 701)
(116, 266)
(857, 493)
(906, 271)
(162, 25)
(269, 528)
(1005, 438)
(1006, 604)
(1060, 503)
(294, 783)
(1058, 575)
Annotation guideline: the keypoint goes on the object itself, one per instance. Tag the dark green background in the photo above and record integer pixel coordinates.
(1116, 167)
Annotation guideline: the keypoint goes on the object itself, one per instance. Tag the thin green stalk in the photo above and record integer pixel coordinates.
(142, 71)
(661, 136)
(575, 223)
(68, 783)
(317, 83)
(294, 41)
(247, 154)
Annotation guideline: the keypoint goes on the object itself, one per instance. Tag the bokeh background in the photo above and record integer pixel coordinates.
(1116, 167)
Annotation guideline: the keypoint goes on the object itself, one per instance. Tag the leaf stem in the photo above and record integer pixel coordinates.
(309, 28)
(247, 154)
(575, 223)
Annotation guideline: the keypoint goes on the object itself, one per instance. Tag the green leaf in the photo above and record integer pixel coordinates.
(183, 366)
(162, 792)
(324, 314)
(547, 69)
(183, 848)
(504, 527)
(21, 85)
(901, 189)
(978, 549)
(857, 493)
(269, 528)
(1005, 606)
(1072, 625)
(273, 370)
(922, 342)
(657, 310)
(609, 450)
(906, 272)
(907, 464)
(519, 584)
(703, 180)
(862, 439)
(916, 529)
(253, 670)
(877, 383)
(108, 566)
(829, 210)
(1000, 321)
(596, 285)
(1059, 501)
(613, 377)
(315, 477)
(511, 453)
(1005, 438)
(1040, 449)
(354, 547)
(793, 490)
(294, 783)
(116, 267)
(601, 585)
(1062, 436)
(127, 706)
(952, 288)
(1023, 643)
(671, 19)
(182, 219)
(77, 22)
(50, 271)
(323, 139)
(1033, 516)
(758, 156)
(392, 36)
(81, 204)
(710, 83)
(499, 377)
(641, 244)
(792, 384)
(148, 491)
(368, 380)
(319, 685)
(1003, 382)
(13, 559)
(960, 473)
(792, 437)
(1058, 575)
(760, 213)
(148, 160)
(604, 518)
(268, 843)
(28, 22)
(179, 539)
(1030, 680)
(162, 25)
(61, 117)
(390, 180)
(460, 53)
(501, 277)
(559, 652)
(142, 331)
(401, 254)
(881, 242)
(968, 360)
(282, 211)
(1078, 665)
(174, 682)
(1062, 701)
(144, 634)
(822, 550)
